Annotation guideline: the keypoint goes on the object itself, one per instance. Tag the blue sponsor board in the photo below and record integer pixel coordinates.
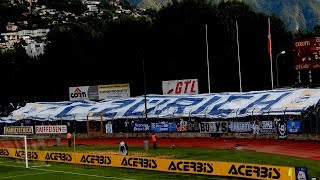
(164, 127)
(293, 126)
(240, 127)
(141, 127)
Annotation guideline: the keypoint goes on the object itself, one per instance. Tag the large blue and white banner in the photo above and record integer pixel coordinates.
(215, 105)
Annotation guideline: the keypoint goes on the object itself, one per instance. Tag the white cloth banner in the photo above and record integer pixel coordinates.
(215, 105)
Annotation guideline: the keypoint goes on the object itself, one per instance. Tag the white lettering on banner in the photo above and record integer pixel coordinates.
(235, 126)
(187, 86)
(267, 127)
(51, 129)
(214, 127)
(224, 105)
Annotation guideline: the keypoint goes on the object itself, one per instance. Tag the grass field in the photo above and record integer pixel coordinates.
(13, 169)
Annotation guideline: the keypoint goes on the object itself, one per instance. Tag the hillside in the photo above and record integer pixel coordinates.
(297, 14)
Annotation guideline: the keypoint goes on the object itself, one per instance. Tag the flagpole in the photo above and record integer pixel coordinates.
(270, 52)
(208, 67)
(239, 57)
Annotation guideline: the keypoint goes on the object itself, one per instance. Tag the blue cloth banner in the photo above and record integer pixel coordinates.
(293, 126)
(141, 127)
(163, 127)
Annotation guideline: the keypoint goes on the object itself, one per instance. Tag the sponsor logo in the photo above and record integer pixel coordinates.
(77, 93)
(4, 152)
(58, 157)
(139, 162)
(183, 87)
(30, 155)
(258, 171)
(51, 129)
(95, 159)
(18, 130)
(191, 166)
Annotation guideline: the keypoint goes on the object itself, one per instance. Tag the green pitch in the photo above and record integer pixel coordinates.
(13, 169)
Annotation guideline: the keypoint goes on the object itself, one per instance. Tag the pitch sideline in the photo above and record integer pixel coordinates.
(65, 172)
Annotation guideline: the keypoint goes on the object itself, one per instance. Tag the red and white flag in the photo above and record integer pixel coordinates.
(269, 38)
(270, 52)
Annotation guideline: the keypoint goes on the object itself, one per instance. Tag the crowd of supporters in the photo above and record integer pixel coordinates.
(7, 108)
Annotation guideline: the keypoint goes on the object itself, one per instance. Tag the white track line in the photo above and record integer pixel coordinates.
(23, 175)
(89, 175)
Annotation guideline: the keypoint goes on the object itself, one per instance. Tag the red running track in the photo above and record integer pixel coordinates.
(303, 149)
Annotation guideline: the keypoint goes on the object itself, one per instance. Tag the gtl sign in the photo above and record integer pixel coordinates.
(189, 86)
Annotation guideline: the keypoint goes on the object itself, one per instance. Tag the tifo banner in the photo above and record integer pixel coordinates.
(114, 91)
(193, 125)
(83, 93)
(182, 125)
(18, 130)
(224, 105)
(109, 127)
(293, 126)
(282, 130)
(141, 127)
(267, 127)
(240, 126)
(230, 169)
(51, 129)
(163, 126)
(214, 127)
(186, 86)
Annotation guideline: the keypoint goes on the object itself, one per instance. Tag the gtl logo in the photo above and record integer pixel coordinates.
(186, 87)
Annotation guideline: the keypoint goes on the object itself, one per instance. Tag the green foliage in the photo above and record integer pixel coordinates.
(303, 15)
(9, 13)
(17, 55)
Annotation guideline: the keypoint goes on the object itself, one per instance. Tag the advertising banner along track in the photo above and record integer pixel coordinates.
(243, 170)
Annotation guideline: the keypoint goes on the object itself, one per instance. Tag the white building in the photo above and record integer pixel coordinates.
(92, 8)
(35, 49)
(33, 33)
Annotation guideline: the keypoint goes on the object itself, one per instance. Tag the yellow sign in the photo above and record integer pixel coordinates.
(253, 171)
(110, 86)
(18, 130)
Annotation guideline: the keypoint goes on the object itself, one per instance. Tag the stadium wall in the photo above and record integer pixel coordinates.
(305, 137)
